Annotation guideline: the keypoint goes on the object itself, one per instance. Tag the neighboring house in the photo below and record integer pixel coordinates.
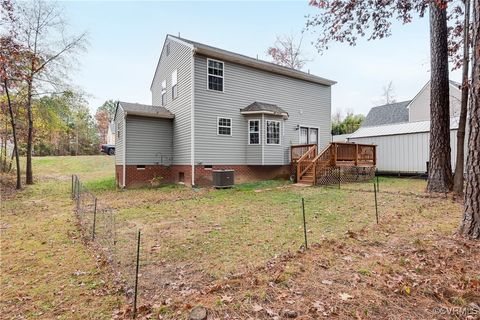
(215, 109)
(401, 132)
(387, 114)
(111, 133)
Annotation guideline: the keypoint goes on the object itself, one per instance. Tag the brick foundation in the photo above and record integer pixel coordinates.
(136, 177)
(243, 174)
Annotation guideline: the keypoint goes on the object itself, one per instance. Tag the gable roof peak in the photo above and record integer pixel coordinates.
(214, 52)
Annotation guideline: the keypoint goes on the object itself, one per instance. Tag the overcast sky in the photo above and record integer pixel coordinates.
(126, 39)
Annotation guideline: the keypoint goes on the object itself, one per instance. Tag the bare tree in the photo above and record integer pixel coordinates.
(389, 93)
(458, 180)
(11, 59)
(43, 33)
(470, 226)
(346, 21)
(287, 52)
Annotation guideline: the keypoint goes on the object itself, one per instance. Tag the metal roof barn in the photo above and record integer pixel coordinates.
(403, 147)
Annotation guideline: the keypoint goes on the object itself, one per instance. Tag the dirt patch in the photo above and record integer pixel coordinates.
(353, 277)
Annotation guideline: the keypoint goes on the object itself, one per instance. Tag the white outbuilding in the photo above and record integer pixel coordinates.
(401, 132)
(403, 148)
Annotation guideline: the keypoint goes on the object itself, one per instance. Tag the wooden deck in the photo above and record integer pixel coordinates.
(312, 166)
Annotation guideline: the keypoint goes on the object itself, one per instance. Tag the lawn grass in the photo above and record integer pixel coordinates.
(190, 237)
(47, 272)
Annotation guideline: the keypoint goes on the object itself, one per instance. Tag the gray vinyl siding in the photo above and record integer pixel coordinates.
(307, 103)
(149, 141)
(180, 58)
(119, 139)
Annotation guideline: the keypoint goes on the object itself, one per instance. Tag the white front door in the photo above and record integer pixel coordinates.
(303, 136)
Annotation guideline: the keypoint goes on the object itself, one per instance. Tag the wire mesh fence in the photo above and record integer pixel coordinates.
(116, 235)
(97, 224)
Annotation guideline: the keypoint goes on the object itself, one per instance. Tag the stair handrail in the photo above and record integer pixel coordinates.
(313, 162)
(302, 159)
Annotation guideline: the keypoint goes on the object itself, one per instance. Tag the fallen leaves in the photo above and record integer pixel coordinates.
(345, 296)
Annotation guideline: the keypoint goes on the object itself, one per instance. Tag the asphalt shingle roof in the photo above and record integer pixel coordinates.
(145, 110)
(267, 107)
(387, 114)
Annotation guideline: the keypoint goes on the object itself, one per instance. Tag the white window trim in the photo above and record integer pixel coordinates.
(308, 133)
(223, 77)
(259, 132)
(174, 72)
(164, 92)
(279, 133)
(231, 127)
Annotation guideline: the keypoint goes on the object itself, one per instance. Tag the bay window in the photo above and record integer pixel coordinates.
(273, 132)
(253, 131)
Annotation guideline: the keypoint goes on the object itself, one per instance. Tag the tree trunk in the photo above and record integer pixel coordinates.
(440, 168)
(459, 168)
(470, 226)
(28, 171)
(4, 154)
(14, 134)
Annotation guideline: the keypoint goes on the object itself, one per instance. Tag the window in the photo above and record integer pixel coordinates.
(308, 135)
(140, 167)
(174, 84)
(168, 49)
(215, 75)
(208, 167)
(253, 131)
(224, 126)
(273, 132)
(164, 92)
(118, 134)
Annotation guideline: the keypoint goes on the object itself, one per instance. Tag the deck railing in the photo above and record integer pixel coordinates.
(297, 151)
(354, 154)
(335, 154)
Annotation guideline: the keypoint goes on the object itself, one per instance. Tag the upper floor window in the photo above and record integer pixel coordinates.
(215, 75)
(224, 126)
(174, 84)
(253, 132)
(164, 92)
(273, 132)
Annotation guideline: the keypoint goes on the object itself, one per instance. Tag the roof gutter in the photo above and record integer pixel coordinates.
(192, 115)
(124, 150)
(283, 114)
(152, 115)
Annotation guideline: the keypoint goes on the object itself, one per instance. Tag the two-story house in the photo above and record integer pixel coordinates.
(214, 109)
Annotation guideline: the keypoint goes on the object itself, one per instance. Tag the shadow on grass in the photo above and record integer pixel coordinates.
(266, 184)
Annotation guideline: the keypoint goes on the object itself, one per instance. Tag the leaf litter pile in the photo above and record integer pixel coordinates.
(410, 266)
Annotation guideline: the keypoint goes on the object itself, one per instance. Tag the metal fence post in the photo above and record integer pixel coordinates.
(376, 207)
(78, 195)
(72, 190)
(339, 177)
(378, 185)
(136, 277)
(94, 217)
(304, 224)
